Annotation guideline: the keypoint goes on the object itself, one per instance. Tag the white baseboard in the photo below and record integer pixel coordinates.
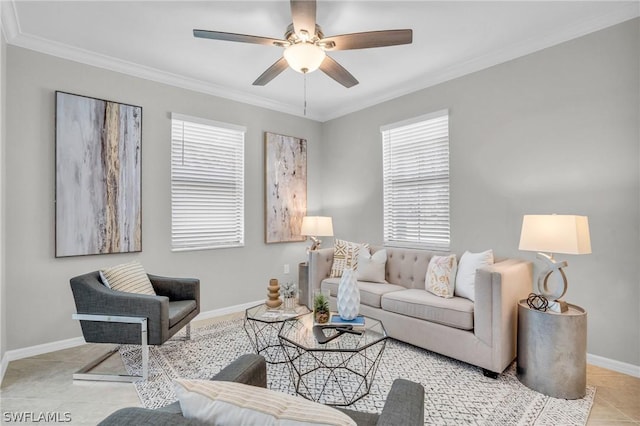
(226, 311)
(612, 364)
(3, 366)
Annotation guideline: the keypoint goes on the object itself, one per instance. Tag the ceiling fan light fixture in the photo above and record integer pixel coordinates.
(304, 57)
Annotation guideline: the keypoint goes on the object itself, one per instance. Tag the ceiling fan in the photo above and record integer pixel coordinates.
(306, 46)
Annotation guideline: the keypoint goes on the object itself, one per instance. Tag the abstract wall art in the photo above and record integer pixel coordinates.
(285, 187)
(98, 176)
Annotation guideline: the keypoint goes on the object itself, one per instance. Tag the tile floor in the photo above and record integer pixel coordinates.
(43, 384)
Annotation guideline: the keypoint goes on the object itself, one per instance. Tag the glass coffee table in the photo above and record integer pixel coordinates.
(262, 325)
(339, 372)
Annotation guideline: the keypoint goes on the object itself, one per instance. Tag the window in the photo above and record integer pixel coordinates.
(416, 182)
(207, 184)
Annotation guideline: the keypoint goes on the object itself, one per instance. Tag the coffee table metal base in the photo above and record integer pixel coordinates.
(333, 378)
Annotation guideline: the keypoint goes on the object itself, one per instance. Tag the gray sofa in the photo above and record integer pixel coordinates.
(481, 333)
(404, 404)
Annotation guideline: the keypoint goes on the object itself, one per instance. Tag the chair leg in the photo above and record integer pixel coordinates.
(84, 372)
(188, 331)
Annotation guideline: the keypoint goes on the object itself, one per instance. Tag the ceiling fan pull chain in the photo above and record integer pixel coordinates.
(305, 94)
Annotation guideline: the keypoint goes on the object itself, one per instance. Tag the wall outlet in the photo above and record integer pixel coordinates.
(286, 268)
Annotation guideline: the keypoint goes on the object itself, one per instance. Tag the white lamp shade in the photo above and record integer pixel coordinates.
(304, 57)
(317, 226)
(567, 234)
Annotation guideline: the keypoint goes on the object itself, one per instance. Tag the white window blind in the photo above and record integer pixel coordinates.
(416, 182)
(207, 184)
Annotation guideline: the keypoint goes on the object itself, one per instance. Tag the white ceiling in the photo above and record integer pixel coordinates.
(153, 39)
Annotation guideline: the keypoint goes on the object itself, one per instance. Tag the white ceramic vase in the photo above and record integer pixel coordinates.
(348, 295)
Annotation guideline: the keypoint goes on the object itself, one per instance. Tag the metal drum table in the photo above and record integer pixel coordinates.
(552, 351)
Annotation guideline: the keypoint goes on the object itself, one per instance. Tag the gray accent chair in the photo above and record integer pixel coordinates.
(110, 316)
(404, 404)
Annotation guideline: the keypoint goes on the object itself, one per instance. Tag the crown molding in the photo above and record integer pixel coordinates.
(14, 36)
(624, 13)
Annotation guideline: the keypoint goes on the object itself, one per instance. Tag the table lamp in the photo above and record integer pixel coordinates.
(314, 227)
(566, 234)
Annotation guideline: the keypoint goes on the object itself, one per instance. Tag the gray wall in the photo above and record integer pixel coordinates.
(41, 303)
(552, 132)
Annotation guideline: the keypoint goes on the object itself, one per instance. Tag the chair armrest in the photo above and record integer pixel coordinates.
(250, 369)
(147, 417)
(320, 262)
(176, 288)
(404, 404)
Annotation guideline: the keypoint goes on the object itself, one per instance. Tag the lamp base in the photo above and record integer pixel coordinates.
(558, 306)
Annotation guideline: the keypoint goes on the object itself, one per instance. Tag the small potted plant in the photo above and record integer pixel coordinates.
(321, 311)
(288, 292)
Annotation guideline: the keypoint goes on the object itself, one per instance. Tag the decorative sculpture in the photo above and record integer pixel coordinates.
(273, 295)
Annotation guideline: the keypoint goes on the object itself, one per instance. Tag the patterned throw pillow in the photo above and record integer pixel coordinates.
(128, 277)
(229, 403)
(441, 275)
(345, 255)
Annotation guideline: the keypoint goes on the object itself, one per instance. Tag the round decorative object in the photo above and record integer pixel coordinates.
(348, 295)
(273, 294)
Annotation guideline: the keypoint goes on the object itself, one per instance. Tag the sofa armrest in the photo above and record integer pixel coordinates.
(404, 404)
(498, 288)
(250, 369)
(176, 288)
(320, 262)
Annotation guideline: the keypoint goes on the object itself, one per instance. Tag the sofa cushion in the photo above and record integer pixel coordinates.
(229, 403)
(179, 309)
(455, 312)
(466, 275)
(370, 293)
(345, 255)
(371, 267)
(441, 275)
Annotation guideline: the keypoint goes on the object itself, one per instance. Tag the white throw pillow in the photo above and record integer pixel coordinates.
(128, 277)
(345, 255)
(441, 275)
(371, 267)
(467, 267)
(228, 403)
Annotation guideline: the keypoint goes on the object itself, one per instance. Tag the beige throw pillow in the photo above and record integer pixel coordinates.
(466, 275)
(345, 255)
(441, 275)
(128, 277)
(371, 267)
(229, 403)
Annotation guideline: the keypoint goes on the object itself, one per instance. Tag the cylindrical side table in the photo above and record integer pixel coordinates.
(552, 351)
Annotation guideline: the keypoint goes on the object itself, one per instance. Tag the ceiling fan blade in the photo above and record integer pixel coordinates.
(303, 15)
(337, 72)
(367, 39)
(272, 72)
(244, 38)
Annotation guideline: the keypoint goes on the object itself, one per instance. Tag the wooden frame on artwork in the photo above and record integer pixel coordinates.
(285, 187)
(98, 176)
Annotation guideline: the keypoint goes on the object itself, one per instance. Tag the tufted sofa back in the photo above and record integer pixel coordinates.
(406, 267)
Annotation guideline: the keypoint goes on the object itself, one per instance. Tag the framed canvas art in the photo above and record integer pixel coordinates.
(285, 187)
(98, 176)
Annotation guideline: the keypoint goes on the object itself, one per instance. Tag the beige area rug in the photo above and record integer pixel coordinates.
(455, 393)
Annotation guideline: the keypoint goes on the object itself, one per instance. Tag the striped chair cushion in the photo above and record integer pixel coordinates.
(128, 277)
(228, 403)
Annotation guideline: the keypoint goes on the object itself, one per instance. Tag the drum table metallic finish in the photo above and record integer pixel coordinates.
(552, 351)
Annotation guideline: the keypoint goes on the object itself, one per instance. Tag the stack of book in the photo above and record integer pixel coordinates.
(357, 323)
